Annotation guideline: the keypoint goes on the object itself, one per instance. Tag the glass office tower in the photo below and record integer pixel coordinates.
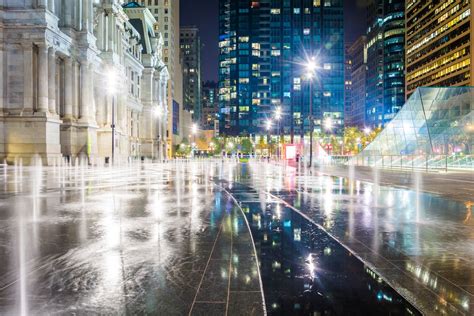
(264, 46)
(386, 61)
(439, 44)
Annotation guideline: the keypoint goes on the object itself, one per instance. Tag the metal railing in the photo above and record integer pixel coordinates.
(420, 162)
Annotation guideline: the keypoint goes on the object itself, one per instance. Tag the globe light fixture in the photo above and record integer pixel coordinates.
(311, 65)
(328, 124)
(269, 124)
(194, 129)
(310, 73)
(158, 112)
(278, 113)
(111, 77)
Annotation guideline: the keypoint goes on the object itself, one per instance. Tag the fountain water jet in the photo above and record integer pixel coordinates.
(351, 178)
(376, 186)
(417, 185)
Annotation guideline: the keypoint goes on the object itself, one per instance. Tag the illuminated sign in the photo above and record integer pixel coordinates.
(290, 152)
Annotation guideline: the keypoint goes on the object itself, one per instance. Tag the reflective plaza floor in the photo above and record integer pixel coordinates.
(188, 238)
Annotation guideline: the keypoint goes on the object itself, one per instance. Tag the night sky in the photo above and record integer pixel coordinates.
(204, 14)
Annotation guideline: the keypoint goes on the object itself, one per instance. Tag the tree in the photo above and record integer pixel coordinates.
(183, 149)
(246, 146)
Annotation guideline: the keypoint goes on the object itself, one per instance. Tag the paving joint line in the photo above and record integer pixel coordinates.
(205, 270)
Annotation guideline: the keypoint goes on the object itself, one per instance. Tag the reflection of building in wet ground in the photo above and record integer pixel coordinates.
(165, 239)
(418, 242)
(305, 271)
(452, 185)
(154, 239)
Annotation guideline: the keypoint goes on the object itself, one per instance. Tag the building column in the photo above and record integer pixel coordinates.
(92, 109)
(84, 92)
(87, 12)
(43, 102)
(28, 77)
(2, 75)
(68, 88)
(52, 80)
(76, 90)
(69, 11)
(42, 3)
(110, 33)
(51, 5)
(91, 15)
(100, 32)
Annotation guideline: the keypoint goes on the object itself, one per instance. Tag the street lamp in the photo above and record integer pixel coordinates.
(230, 146)
(159, 114)
(278, 116)
(310, 68)
(328, 124)
(194, 130)
(278, 113)
(111, 89)
(269, 124)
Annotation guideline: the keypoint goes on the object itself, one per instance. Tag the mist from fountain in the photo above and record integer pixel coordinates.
(376, 185)
(351, 178)
(417, 187)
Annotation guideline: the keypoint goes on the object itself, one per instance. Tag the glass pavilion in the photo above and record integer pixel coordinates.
(434, 130)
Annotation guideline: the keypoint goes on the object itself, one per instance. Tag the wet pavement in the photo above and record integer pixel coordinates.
(157, 239)
(306, 272)
(421, 244)
(454, 185)
(174, 239)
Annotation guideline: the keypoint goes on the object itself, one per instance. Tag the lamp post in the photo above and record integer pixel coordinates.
(278, 115)
(194, 130)
(310, 67)
(328, 125)
(269, 127)
(159, 115)
(111, 88)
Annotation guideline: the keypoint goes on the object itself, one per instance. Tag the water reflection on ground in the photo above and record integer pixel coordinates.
(304, 271)
(421, 243)
(136, 240)
(166, 239)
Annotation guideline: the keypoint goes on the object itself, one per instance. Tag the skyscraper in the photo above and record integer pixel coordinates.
(191, 57)
(357, 53)
(439, 44)
(385, 49)
(264, 46)
(347, 85)
(210, 105)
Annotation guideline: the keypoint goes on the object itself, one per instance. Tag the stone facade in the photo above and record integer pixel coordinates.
(54, 59)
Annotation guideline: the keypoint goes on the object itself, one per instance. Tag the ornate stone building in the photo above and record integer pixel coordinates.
(55, 101)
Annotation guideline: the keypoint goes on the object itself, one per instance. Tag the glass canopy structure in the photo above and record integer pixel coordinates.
(434, 129)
